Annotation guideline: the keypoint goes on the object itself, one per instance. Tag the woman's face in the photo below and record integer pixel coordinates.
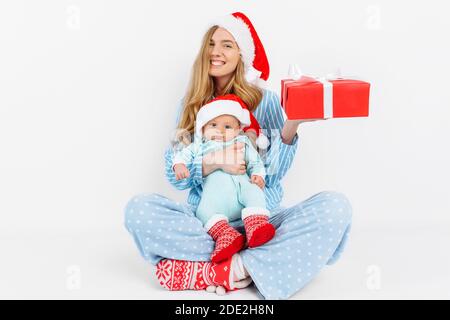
(224, 54)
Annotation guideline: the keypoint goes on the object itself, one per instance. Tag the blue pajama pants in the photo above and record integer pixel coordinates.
(227, 195)
(308, 236)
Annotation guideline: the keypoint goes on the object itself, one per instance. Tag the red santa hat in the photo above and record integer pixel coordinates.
(252, 50)
(230, 104)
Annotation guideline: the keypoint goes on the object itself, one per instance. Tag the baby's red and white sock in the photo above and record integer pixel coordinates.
(257, 227)
(228, 240)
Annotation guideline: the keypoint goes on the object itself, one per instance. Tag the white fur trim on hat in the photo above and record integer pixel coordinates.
(218, 108)
(241, 34)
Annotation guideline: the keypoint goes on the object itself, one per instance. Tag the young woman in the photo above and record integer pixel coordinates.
(308, 235)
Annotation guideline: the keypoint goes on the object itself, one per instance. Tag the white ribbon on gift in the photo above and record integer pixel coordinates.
(327, 97)
(295, 73)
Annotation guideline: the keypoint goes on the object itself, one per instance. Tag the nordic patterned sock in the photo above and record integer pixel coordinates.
(228, 240)
(257, 227)
(194, 275)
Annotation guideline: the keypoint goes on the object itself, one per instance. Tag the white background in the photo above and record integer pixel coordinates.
(88, 94)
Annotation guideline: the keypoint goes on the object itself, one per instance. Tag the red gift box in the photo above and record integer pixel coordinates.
(319, 98)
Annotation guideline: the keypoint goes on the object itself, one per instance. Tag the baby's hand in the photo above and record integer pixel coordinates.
(258, 180)
(181, 171)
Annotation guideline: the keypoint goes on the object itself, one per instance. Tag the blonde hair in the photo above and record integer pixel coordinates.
(201, 87)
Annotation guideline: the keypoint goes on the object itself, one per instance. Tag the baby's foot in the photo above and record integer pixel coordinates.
(258, 230)
(228, 241)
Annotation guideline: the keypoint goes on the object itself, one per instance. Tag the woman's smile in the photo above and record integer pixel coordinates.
(217, 63)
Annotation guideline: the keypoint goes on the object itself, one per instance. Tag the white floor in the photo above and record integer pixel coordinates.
(379, 263)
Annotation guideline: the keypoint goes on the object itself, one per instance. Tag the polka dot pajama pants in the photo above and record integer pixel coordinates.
(308, 236)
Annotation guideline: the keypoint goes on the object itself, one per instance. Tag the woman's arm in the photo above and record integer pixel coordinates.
(208, 166)
(170, 174)
(231, 160)
(289, 131)
(283, 138)
(195, 167)
(279, 158)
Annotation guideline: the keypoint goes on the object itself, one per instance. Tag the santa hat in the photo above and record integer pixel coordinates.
(252, 51)
(261, 140)
(230, 104)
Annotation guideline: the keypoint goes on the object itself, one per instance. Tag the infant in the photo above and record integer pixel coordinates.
(227, 197)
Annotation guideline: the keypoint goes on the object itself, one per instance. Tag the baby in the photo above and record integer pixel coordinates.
(227, 197)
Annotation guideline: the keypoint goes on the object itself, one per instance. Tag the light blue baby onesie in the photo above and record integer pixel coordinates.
(225, 194)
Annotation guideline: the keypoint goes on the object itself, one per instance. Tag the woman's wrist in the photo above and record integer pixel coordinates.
(208, 169)
(289, 130)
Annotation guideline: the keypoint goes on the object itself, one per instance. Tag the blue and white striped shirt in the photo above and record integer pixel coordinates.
(277, 158)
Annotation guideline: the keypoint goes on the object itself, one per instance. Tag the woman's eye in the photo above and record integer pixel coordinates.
(227, 127)
(213, 125)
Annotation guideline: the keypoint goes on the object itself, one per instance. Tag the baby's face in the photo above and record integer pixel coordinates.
(222, 128)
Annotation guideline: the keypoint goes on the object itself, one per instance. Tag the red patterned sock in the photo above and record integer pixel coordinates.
(194, 275)
(228, 240)
(257, 227)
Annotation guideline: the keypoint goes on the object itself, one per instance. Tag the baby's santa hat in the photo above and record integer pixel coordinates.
(252, 50)
(230, 104)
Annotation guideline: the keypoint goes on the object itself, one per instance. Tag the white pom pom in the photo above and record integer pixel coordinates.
(211, 289)
(220, 291)
(262, 142)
